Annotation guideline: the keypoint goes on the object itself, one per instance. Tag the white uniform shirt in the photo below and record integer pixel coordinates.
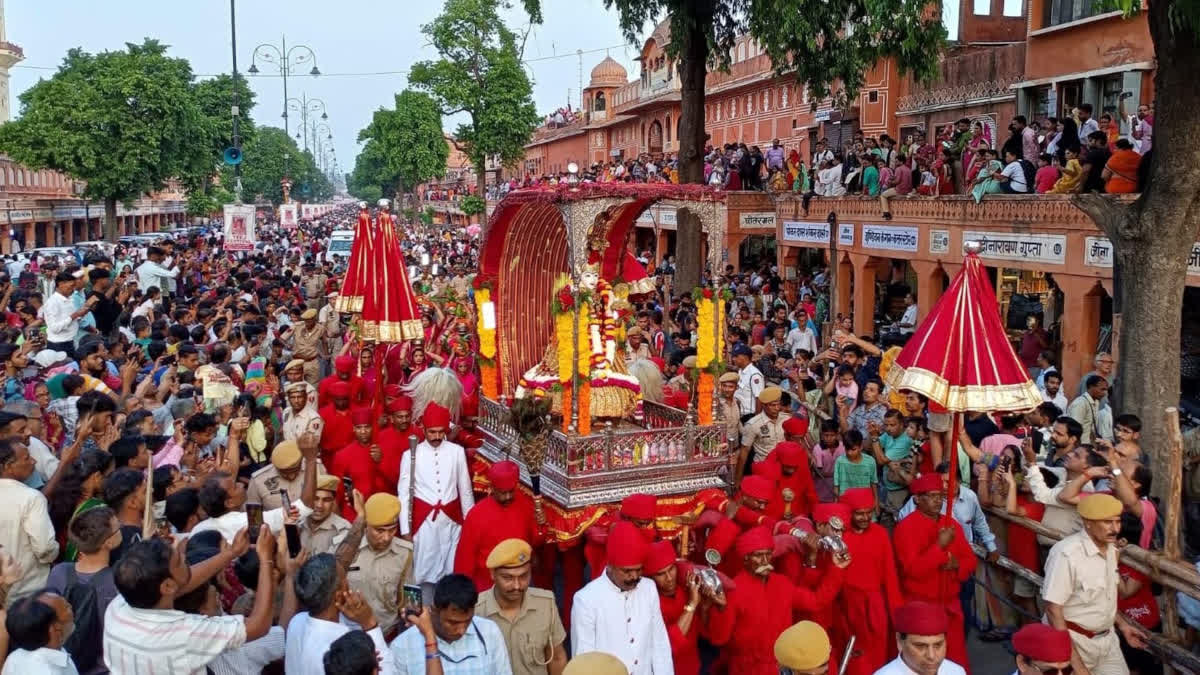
(750, 385)
(57, 311)
(627, 624)
(442, 476)
(898, 667)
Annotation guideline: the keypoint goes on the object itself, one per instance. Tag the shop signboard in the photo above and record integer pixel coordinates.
(757, 221)
(801, 232)
(1020, 247)
(1097, 252)
(939, 241)
(890, 238)
(846, 234)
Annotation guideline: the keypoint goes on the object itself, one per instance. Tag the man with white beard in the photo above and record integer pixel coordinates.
(435, 495)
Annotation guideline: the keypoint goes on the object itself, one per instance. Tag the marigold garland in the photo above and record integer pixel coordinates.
(489, 382)
(704, 398)
(487, 336)
(562, 331)
(584, 364)
(566, 407)
(585, 408)
(705, 342)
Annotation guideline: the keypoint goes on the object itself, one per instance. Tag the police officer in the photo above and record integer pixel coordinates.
(324, 529)
(750, 380)
(384, 562)
(803, 649)
(285, 472)
(528, 617)
(764, 431)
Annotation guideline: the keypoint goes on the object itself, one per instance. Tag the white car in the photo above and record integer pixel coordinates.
(340, 243)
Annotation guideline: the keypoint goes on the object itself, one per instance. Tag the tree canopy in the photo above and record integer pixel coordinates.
(123, 121)
(272, 154)
(407, 144)
(480, 74)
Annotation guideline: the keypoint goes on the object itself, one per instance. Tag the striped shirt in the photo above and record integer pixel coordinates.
(149, 641)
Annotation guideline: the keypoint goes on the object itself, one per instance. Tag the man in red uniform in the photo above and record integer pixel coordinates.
(362, 461)
(400, 425)
(639, 509)
(467, 434)
(761, 604)
(795, 494)
(871, 591)
(343, 367)
(934, 559)
(338, 431)
(506, 514)
(685, 603)
(795, 429)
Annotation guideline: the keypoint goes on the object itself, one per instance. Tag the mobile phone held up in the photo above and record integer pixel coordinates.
(413, 599)
(254, 519)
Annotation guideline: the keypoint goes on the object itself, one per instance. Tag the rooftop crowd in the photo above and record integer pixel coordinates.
(204, 470)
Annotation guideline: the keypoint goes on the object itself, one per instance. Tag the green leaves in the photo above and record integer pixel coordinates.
(480, 73)
(406, 145)
(269, 156)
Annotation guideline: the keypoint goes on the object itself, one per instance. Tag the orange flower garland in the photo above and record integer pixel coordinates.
(489, 380)
(566, 407)
(704, 398)
(585, 408)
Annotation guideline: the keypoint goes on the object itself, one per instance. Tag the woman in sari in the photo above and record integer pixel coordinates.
(943, 171)
(981, 139)
(985, 181)
(78, 491)
(1072, 174)
(797, 177)
(1121, 172)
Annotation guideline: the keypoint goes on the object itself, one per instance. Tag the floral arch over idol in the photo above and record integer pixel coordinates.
(555, 286)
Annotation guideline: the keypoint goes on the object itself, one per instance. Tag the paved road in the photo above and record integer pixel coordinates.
(990, 658)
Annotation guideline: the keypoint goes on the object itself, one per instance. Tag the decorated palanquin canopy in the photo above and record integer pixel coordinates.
(535, 235)
(960, 356)
(376, 284)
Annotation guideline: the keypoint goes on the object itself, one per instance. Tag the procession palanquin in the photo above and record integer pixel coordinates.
(553, 294)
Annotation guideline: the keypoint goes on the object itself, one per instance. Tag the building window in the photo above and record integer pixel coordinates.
(1065, 11)
(783, 95)
(1014, 8)
(741, 52)
(599, 102)
(667, 127)
(982, 7)
(1110, 93)
(766, 106)
(873, 96)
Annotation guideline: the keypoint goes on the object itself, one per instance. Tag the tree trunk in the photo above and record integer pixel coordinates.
(1152, 240)
(111, 232)
(693, 68)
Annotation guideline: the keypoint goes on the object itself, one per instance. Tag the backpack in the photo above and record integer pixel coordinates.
(1030, 175)
(85, 644)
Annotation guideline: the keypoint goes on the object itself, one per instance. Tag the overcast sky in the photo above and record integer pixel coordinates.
(363, 47)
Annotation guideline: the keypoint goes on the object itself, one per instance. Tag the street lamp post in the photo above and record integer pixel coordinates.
(304, 106)
(282, 57)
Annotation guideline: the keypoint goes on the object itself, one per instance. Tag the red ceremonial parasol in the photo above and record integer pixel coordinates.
(358, 270)
(960, 356)
(389, 309)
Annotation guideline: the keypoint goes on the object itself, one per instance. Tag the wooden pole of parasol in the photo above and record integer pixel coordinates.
(1171, 547)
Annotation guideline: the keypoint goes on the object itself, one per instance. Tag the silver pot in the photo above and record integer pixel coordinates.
(710, 580)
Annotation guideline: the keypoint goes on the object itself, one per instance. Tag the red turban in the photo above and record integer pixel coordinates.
(758, 487)
(344, 363)
(768, 470)
(921, 618)
(859, 499)
(658, 361)
(639, 506)
(788, 453)
(361, 416)
(722, 536)
(795, 426)
(1043, 643)
(823, 512)
(399, 404)
(393, 391)
(930, 482)
(626, 547)
(435, 417)
(659, 556)
(470, 406)
(503, 475)
(339, 389)
(755, 539)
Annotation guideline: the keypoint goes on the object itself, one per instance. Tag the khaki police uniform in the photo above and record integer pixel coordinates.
(325, 536)
(308, 345)
(379, 575)
(536, 626)
(266, 483)
(295, 424)
(761, 434)
(1082, 580)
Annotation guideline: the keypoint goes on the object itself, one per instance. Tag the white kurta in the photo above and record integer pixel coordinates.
(442, 476)
(897, 666)
(627, 624)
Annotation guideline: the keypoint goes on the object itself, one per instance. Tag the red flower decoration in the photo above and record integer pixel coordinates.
(565, 300)
(707, 293)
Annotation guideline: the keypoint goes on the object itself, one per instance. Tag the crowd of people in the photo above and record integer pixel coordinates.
(204, 470)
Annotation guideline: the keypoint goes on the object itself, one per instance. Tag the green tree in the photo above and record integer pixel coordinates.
(827, 44)
(272, 155)
(123, 121)
(409, 142)
(480, 74)
(1153, 236)
(370, 177)
(215, 96)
